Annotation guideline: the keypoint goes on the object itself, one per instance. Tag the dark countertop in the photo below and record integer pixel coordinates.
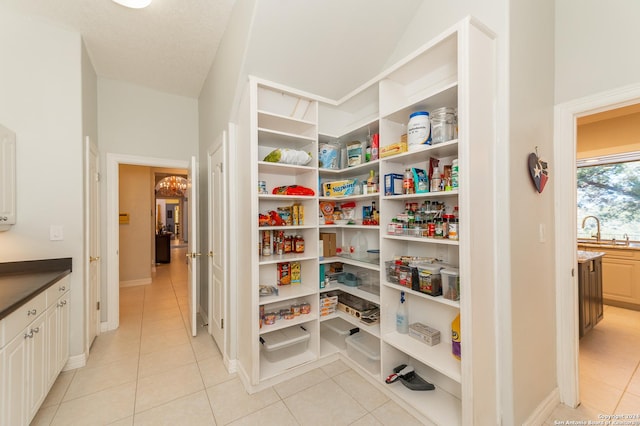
(22, 281)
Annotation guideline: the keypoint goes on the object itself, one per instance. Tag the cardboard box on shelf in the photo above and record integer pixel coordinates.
(328, 244)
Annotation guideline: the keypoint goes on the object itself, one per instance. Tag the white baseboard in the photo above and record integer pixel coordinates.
(231, 364)
(134, 283)
(544, 410)
(75, 361)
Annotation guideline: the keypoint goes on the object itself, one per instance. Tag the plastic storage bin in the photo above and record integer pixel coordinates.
(430, 280)
(285, 343)
(451, 283)
(336, 330)
(364, 349)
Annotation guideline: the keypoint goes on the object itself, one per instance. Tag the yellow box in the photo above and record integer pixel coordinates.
(393, 149)
(296, 273)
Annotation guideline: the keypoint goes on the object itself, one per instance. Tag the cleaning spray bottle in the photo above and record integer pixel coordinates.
(402, 317)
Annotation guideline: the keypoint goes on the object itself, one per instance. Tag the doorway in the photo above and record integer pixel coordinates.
(566, 116)
(113, 223)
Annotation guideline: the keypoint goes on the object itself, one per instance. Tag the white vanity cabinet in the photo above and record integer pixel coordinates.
(7, 178)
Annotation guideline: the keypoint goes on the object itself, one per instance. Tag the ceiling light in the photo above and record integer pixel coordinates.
(133, 4)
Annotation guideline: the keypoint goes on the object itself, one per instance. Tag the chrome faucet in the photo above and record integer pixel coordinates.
(597, 224)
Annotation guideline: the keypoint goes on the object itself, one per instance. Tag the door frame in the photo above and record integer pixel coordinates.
(113, 162)
(567, 340)
(90, 148)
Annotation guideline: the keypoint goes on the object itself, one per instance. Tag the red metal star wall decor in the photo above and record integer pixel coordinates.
(538, 169)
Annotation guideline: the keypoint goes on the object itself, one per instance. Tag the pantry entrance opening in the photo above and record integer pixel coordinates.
(566, 117)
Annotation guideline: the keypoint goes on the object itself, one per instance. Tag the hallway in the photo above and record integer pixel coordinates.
(150, 371)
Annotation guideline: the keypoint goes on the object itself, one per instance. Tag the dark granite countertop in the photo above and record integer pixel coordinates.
(22, 281)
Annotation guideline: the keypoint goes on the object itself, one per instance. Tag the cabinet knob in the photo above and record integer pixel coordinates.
(3, 218)
(32, 312)
(35, 330)
(63, 288)
(28, 335)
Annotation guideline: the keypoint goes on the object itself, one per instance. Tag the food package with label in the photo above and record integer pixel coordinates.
(339, 188)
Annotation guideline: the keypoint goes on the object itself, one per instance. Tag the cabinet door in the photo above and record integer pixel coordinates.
(618, 277)
(13, 379)
(584, 298)
(52, 344)
(596, 292)
(63, 332)
(37, 364)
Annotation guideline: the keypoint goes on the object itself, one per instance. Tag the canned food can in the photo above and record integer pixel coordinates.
(262, 187)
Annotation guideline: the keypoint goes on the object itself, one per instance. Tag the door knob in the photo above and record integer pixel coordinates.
(210, 254)
(94, 259)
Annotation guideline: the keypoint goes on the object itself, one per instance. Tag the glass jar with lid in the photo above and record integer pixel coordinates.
(442, 124)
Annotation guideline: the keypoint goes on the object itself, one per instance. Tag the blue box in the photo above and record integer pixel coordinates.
(393, 184)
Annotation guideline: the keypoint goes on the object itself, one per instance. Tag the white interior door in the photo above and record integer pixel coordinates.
(218, 226)
(193, 255)
(93, 232)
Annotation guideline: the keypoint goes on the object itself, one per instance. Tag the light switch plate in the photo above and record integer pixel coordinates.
(56, 233)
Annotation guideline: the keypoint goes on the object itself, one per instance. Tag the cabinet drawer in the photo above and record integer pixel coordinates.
(56, 290)
(21, 317)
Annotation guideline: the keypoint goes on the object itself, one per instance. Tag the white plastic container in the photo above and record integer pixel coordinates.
(335, 331)
(364, 349)
(285, 343)
(418, 130)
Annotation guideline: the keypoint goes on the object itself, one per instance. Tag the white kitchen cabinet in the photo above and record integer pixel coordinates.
(35, 355)
(7, 178)
(456, 69)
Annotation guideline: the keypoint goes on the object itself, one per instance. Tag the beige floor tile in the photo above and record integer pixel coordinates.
(165, 360)
(99, 408)
(170, 323)
(275, 414)
(582, 412)
(391, 414)
(335, 368)
(159, 342)
(214, 372)
(300, 383)
(598, 395)
(91, 380)
(59, 388)
(630, 406)
(367, 420)
(230, 401)
(615, 373)
(159, 389)
(127, 421)
(361, 390)
(159, 314)
(192, 410)
(112, 354)
(311, 406)
(44, 416)
(204, 346)
(634, 383)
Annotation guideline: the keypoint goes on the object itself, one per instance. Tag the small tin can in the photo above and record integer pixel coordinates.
(286, 314)
(262, 187)
(305, 308)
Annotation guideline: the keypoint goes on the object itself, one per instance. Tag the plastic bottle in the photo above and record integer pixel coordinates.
(407, 183)
(435, 180)
(455, 338)
(402, 317)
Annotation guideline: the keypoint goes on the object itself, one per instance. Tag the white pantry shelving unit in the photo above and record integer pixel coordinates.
(455, 69)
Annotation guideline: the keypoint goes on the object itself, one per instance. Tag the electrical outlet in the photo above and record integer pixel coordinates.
(56, 233)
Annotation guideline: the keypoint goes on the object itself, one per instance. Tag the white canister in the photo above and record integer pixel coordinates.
(418, 130)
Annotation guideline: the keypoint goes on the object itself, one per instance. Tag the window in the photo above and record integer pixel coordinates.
(609, 188)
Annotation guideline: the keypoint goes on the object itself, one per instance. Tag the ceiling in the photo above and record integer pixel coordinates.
(169, 46)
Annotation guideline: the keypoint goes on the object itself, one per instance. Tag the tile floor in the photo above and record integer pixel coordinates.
(151, 371)
(609, 369)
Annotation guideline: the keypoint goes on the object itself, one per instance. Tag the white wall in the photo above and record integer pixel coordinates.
(134, 120)
(218, 98)
(595, 46)
(41, 101)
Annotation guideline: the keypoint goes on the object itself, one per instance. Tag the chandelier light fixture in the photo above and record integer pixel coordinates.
(171, 186)
(133, 4)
